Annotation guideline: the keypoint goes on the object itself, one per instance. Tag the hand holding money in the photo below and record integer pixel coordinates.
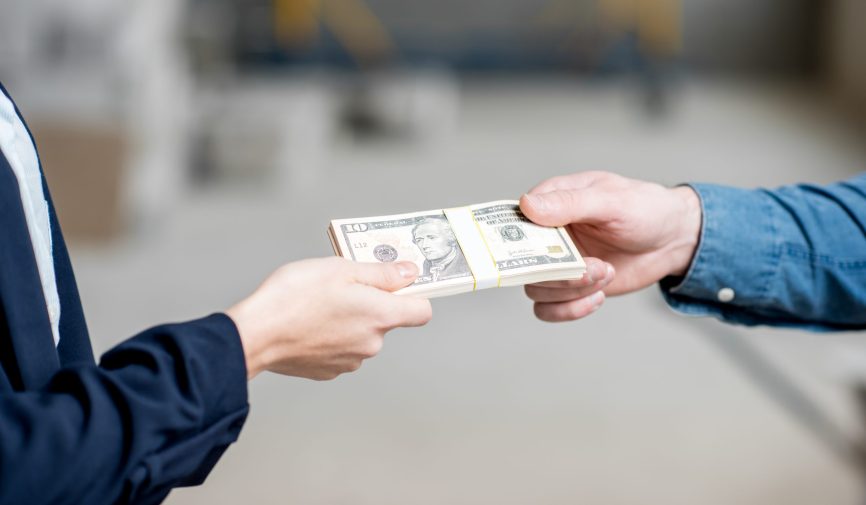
(462, 249)
(644, 230)
(319, 318)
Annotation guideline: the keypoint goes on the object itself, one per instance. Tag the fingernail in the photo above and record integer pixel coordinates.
(596, 272)
(407, 270)
(597, 298)
(609, 275)
(536, 201)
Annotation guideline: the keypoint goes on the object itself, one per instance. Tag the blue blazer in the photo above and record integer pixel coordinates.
(156, 413)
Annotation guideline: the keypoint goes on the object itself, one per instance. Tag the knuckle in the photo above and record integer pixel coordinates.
(347, 268)
(567, 199)
(341, 264)
(427, 311)
(422, 311)
(577, 309)
(390, 275)
(560, 181)
(326, 376)
(335, 261)
(372, 347)
(556, 312)
(538, 293)
(388, 319)
(284, 270)
(398, 316)
(385, 275)
(542, 312)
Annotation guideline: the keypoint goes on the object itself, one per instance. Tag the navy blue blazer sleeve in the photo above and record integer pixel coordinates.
(157, 413)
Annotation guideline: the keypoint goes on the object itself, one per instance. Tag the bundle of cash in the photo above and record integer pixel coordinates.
(462, 249)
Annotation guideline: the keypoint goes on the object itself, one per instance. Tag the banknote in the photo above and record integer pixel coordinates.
(462, 249)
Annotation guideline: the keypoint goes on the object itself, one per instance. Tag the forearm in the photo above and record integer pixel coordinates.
(795, 256)
(155, 414)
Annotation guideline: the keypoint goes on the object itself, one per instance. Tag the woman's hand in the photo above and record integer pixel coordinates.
(320, 318)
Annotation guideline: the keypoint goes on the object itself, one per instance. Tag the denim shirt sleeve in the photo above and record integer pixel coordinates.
(793, 256)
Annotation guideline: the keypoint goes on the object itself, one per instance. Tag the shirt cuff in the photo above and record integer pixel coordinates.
(203, 360)
(223, 366)
(736, 259)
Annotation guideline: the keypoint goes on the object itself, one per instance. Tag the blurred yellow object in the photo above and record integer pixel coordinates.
(658, 25)
(656, 22)
(352, 22)
(296, 21)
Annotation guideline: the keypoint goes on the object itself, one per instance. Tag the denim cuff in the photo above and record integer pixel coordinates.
(736, 259)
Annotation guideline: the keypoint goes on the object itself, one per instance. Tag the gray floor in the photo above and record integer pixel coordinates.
(486, 405)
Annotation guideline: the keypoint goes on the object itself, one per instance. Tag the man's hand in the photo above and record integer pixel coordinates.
(320, 318)
(642, 231)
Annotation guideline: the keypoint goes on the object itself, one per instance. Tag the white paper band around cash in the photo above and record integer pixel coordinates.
(475, 248)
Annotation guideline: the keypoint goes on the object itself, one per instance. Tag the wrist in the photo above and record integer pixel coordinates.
(687, 232)
(254, 347)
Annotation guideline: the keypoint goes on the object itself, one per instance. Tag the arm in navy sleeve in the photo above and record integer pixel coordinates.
(793, 256)
(157, 413)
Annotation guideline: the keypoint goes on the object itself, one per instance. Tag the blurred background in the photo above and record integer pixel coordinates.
(195, 145)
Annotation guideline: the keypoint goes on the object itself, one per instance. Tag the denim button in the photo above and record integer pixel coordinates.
(725, 295)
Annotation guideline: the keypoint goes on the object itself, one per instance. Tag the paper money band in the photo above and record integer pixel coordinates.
(474, 247)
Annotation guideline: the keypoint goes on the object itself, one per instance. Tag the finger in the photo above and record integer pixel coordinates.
(562, 207)
(569, 311)
(598, 276)
(596, 271)
(577, 180)
(405, 311)
(418, 312)
(386, 276)
(556, 295)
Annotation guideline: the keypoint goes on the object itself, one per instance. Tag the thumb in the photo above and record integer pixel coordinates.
(562, 207)
(386, 276)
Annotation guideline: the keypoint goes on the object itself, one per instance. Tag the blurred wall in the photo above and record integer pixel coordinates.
(755, 36)
(847, 43)
(122, 68)
(763, 36)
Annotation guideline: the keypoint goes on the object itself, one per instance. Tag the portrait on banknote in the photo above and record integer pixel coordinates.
(426, 240)
(443, 258)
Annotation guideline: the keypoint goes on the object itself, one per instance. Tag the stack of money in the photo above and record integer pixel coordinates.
(462, 249)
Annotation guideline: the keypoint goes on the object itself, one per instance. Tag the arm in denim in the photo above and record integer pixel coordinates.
(794, 256)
